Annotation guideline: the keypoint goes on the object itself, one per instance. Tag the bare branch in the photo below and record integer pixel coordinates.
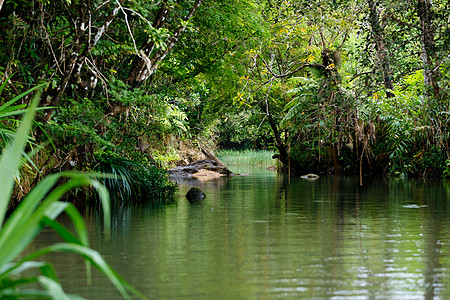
(304, 65)
(47, 38)
(108, 21)
(128, 26)
(145, 67)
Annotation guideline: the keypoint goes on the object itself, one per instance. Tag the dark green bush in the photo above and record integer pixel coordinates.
(134, 181)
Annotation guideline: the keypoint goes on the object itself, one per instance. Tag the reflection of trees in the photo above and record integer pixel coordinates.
(317, 238)
(371, 234)
(191, 181)
(436, 224)
(282, 199)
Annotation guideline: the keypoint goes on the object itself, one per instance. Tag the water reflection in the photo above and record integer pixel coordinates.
(262, 237)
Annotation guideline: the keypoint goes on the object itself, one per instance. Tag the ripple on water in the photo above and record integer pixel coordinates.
(261, 237)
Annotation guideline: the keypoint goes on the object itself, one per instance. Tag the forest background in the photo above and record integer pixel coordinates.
(344, 87)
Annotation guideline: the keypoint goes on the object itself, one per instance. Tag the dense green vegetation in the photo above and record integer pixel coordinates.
(346, 87)
(39, 209)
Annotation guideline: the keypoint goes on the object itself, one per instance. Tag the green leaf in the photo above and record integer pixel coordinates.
(38, 209)
(15, 99)
(14, 269)
(10, 161)
(25, 223)
(53, 288)
(96, 260)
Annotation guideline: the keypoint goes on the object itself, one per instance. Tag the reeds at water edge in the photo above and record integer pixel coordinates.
(251, 158)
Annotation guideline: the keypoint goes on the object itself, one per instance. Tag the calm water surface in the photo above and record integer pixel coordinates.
(261, 237)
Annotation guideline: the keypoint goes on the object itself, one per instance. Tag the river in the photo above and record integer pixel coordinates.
(264, 236)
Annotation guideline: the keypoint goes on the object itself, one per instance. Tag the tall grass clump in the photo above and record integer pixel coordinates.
(37, 210)
(134, 181)
(246, 158)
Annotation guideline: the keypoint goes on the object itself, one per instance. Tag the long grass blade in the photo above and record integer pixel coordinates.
(15, 99)
(46, 134)
(106, 206)
(14, 269)
(62, 231)
(11, 158)
(54, 289)
(96, 260)
(17, 111)
(25, 223)
(22, 228)
(10, 286)
(5, 81)
(33, 214)
(68, 236)
(23, 212)
(47, 270)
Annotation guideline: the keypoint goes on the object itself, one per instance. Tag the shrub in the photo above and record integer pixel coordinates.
(134, 180)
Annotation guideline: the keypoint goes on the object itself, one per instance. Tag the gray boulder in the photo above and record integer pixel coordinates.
(195, 167)
(195, 195)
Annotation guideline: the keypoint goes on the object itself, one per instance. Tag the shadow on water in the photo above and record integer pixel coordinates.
(262, 237)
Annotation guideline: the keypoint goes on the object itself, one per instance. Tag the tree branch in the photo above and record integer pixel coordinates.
(146, 64)
(108, 21)
(304, 65)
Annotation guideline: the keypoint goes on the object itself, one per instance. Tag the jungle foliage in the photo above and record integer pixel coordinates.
(39, 209)
(344, 87)
(347, 87)
(354, 87)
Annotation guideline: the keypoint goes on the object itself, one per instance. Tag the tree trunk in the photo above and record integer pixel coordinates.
(283, 156)
(334, 157)
(138, 70)
(149, 58)
(80, 48)
(378, 36)
(430, 73)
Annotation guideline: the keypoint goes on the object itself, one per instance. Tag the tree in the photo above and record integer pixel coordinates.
(304, 45)
(93, 52)
(430, 71)
(383, 56)
(411, 124)
(150, 55)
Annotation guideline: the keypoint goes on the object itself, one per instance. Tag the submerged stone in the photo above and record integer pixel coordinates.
(195, 195)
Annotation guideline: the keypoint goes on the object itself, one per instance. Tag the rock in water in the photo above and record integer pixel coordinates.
(195, 167)
(310, 176)
(195, 195)
(205, 175)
